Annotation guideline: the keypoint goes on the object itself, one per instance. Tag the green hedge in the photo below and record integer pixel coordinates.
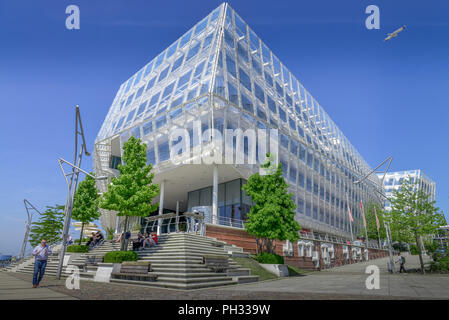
(441, 264)
(77, 248)
(120, 256)
(270, 258)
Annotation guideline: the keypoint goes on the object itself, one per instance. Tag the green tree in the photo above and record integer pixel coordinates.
(49, 226)
(85, 203)
(131, 193)
(272, 214)
(413, 215)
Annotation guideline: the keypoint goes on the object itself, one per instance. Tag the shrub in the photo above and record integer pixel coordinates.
(431, 247)
(413, 249)
(77, 248)
(270, 258)
(441, 265)
(110, 236)
(120, 256)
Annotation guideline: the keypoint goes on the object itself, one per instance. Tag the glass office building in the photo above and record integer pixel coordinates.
(394, 180)
(221, 75)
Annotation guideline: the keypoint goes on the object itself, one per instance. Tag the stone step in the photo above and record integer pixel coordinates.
(240, 254)
(184, 245)
(174, 285)
(246, 279)
(189, 275)
(194, 280)
(187, 252)
(171, 258)
(179, 261)
(238, 272)
(181, 269)
(179, 265)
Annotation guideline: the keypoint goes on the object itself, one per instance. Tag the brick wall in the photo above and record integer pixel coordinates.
(241, 238)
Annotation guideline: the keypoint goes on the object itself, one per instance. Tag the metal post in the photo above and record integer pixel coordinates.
(215, 196)
(28, 226)
(350, 222)
(71, 187)
(390, 249)
(161, 207)
(378, 237)
(177, 216)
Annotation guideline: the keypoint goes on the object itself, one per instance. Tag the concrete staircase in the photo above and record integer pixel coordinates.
(177, 261)
(27, 266)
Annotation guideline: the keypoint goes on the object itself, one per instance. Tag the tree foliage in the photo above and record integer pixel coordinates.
(272, 214)
(131, 193)
(413, 215)
(49, 226)
(371, 224)
(86, 203)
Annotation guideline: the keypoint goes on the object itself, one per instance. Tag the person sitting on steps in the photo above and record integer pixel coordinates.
(148, 241)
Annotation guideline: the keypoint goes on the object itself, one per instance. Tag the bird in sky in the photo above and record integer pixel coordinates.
(394, 34)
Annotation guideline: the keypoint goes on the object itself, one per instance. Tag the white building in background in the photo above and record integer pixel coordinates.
(394, 180)
(220, 75)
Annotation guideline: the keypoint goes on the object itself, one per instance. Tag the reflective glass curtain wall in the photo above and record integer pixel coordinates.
(222, 74)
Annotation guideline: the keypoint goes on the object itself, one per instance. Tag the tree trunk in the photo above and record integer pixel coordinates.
(418, 245)
(124, 244)
(81, 236)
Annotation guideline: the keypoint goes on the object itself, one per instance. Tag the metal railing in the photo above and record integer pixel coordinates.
(373, 244)
(186, 222)
(230, 222)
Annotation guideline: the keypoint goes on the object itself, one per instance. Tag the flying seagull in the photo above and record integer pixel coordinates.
(394, 34)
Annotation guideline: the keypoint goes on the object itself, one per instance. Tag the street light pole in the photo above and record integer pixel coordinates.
(28, 206)
(69, 205)
(390, 159)
(71, 186)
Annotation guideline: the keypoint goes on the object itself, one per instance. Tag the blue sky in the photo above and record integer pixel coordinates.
(389, 98)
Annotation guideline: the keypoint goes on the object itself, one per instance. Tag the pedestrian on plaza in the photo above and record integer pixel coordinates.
(401, 261)
(40, 253)
(127, 235)
(69, 240)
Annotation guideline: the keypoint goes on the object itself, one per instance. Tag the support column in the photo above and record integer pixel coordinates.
(161, 207)
(117, 223)
(215, 196)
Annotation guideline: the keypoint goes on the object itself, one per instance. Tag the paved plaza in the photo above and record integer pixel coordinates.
(350, 280)
(13, 288)
(346, 282)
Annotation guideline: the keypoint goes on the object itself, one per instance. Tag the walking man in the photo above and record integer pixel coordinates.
(40, 253)
(401, 261)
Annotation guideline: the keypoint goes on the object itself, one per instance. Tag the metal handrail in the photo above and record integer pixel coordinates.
(194, 222)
